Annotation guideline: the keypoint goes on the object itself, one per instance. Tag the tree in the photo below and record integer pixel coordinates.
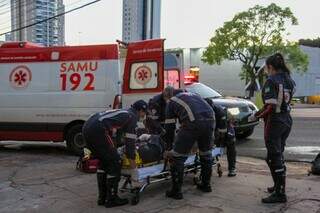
(310, 42)
(253, 35)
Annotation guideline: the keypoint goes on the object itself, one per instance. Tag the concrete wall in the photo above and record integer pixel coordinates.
(308, 84)
(225, 77)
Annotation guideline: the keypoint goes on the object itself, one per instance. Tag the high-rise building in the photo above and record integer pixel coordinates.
(26, 12)
(141, 19)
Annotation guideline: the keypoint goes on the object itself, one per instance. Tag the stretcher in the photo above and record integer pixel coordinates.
(160, 172)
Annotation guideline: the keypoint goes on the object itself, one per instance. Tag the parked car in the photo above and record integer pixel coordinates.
(239, 108)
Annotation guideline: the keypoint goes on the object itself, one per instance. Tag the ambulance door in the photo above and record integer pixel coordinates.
(143, 71)
(173, 68)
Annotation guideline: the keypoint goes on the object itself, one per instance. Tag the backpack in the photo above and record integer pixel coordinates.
(315, 167)
(87, 163)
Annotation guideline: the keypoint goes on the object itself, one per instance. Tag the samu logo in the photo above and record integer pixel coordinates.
(20, 77)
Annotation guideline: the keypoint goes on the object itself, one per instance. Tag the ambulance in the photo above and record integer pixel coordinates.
(47, 93)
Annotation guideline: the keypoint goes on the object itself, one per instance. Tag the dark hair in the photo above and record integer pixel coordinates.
(277, 61)
(140, 105)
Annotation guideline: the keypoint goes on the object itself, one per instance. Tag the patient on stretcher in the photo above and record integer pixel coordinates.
(149, 151)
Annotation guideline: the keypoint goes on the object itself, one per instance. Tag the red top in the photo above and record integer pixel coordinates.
(13, 52)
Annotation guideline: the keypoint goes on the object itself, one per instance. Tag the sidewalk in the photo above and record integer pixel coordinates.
(57, 187)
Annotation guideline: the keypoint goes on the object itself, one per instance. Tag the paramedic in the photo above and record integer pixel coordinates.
(96, 132)
(196, 118)
(156, 117)
(277, 94)
(225, 135)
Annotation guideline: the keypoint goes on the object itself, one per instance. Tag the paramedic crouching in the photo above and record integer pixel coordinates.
(197, 123)
(96, 132)
(225, 135)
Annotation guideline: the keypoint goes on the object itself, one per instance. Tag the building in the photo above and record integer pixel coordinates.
(8, 37)
(225, 77)
(140, 19)
(26, 12)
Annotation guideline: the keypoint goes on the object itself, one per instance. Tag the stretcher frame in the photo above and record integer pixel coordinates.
(164, 175)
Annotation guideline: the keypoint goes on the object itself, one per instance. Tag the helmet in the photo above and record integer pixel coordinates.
(140, 105)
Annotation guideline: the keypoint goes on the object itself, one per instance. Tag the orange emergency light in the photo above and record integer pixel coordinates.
(193, 75)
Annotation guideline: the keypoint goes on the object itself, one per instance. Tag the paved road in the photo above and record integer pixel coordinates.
(303, 143)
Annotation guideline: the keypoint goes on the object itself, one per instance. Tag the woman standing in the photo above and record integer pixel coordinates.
(276, 94)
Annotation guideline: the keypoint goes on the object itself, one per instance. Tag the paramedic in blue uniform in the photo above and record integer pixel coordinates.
(277, 94)
(156, 117)
(96, 132)
(196, 118)
(225, 135)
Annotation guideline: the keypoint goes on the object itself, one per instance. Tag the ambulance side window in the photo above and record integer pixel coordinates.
(171, 78)
(144, 75)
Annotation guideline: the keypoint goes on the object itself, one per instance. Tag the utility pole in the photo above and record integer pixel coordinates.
(20, 19)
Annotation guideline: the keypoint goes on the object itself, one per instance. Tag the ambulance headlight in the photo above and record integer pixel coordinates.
(234, 111)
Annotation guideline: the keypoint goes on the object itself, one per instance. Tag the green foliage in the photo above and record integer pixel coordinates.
(310, 42)
(252, 36)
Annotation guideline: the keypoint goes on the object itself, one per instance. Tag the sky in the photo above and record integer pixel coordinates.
(184, 23)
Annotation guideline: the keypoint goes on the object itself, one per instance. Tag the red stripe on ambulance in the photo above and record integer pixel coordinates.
(42, 54)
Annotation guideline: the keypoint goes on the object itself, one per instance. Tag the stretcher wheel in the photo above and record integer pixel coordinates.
(135, 199)
(219, 170)
(196, 180)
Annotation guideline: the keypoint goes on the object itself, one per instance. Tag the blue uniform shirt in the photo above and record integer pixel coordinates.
(126, 122)
(188, 107)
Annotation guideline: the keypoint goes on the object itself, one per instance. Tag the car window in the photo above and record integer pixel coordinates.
(203, 90)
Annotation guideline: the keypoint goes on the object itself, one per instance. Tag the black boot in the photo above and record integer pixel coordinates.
(271, 189)
(231, 157)
(232, 173)
(177, 180)
(113, 199)
(102, 187)
(279, 195)
(206, 172)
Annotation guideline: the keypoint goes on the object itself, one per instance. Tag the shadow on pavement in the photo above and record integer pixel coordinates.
(46, 148)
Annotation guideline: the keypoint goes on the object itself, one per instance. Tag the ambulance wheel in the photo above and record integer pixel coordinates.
(75, 140)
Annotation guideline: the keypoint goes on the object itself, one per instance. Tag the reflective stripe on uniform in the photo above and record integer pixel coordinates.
(280, 98)
(170, 121)
(131, 136)
(110, 176)
(100, 171)
(185, 106)
(222, 130)
(176, 154)
(205, 153)
(153, 117)
(279, 170)
(271, 101)
(111, 114)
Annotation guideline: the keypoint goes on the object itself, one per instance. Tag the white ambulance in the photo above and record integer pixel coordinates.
(46, 93)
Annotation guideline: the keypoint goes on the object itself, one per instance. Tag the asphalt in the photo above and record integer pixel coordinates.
(45, 180)
(41, 177)
(303, 143)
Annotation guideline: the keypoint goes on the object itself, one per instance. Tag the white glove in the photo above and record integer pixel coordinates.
(144, 137)
(120, 150)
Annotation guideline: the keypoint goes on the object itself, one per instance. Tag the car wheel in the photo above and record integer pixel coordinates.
(245, 134)
(75, 140)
